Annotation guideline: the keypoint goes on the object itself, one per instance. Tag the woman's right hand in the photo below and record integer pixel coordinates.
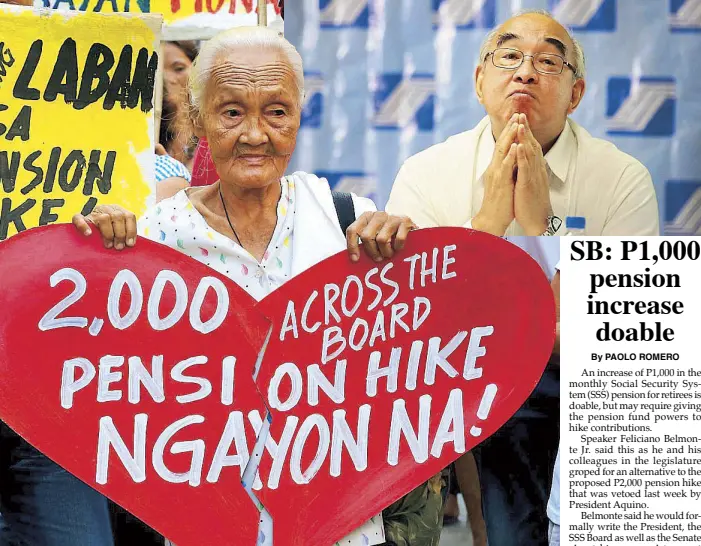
(116, 225)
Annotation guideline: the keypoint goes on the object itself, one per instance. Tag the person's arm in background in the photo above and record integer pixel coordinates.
(168, 187)
(469, 482)
(634, 211)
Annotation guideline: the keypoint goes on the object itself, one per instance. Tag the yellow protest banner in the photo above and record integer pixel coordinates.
(183, 19)
(76, 114)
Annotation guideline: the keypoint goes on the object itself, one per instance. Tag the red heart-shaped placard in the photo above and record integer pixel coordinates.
(490, 305)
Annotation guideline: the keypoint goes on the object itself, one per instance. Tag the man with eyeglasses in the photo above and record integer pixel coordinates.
(526, 166)
(523, 170)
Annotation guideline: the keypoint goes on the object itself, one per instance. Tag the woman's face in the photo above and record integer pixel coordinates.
(251, 116)
(176, 70)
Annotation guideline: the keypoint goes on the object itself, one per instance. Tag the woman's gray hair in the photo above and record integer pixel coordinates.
(255, 37)
(578, 52)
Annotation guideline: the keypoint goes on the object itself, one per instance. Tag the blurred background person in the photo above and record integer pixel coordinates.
(176, 135)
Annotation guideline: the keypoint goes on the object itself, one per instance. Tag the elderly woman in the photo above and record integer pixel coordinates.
(256, 225)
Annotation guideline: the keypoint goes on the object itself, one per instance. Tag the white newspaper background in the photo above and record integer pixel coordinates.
(630, 431)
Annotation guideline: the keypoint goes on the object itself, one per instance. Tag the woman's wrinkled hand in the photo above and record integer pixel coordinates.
(381, 234)
(116, 225)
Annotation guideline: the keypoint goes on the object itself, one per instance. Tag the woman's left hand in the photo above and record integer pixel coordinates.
(381, 234)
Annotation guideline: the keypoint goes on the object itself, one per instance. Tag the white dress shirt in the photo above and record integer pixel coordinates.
(589, 177)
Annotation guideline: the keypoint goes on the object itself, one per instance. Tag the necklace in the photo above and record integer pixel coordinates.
(226, 212)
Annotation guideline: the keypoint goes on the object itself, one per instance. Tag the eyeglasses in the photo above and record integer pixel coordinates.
(544, 63)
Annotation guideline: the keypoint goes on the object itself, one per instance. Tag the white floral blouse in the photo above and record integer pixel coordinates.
(177, 224)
